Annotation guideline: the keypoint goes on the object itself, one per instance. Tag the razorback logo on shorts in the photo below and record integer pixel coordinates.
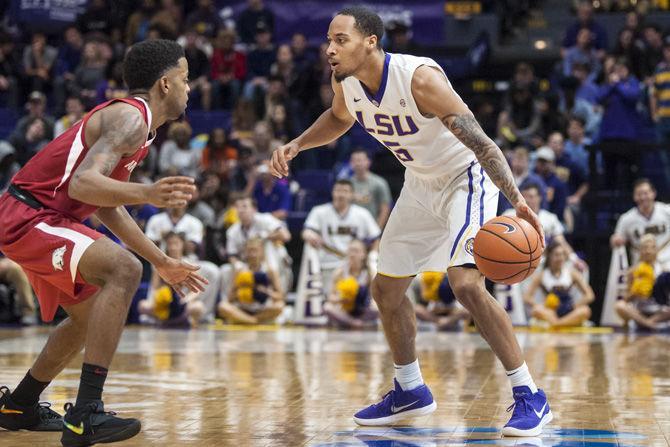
(57, 257)
(469, 246)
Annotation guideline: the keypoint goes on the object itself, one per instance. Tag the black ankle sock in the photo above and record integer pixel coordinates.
(28, 392)
(91, 383)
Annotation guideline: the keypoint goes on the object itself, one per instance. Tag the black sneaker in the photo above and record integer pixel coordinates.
(90, 424)
(38, 417)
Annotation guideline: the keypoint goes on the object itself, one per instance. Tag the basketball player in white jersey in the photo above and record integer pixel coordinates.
(453, 173)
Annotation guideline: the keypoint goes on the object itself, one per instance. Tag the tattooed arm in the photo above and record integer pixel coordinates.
(435, 97)
(115, 131)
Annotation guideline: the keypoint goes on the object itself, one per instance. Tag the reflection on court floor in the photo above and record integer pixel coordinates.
(300, 387)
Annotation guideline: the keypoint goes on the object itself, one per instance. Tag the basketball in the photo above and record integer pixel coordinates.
(507, 249)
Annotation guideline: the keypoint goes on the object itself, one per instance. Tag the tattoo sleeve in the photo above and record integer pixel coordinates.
(466, 128)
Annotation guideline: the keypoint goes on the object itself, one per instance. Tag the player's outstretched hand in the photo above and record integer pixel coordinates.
(524, 212)
(181, 275)
(171, 192)
(280, 158)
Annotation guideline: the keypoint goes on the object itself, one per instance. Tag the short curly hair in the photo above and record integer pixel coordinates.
(367, 22)
(147, 61)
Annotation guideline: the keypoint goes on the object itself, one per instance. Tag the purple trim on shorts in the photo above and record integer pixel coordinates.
(481, 199)
(467, 212)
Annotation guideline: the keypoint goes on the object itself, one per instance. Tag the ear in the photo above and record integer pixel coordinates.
(372, 42)
(164, 84)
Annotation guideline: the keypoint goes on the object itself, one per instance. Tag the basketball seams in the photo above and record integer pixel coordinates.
(508, 242)
(507, 262)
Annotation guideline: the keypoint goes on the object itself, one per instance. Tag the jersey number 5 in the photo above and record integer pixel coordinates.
(400, 153)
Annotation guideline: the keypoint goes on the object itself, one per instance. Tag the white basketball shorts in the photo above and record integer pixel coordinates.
(434, 222)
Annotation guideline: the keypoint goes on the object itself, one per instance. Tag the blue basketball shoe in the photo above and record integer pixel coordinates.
(531, 413)
(398, 405)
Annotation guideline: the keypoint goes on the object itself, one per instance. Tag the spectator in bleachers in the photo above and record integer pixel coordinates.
(176, 156)
(621, 120)
(629, 46)
(582, 52)
(551, 118)
(179, 221)
(585, 20)
(243, 176)
(652, 53)
(520, 165)
(276, 95)
(96, 20)
(10, 64)
(646, 297)
(303, 56)
(571, 104)
(199, 208)
(137, 26)
(67, 62)
(660, 97)
(559, 284)
(228, 70)
(575, 145)
(259, 63)
(520, 118)
(647, 217)
(30, 142)
(74, 111)
(112, 87)
(280, 123)
(271, 195)
(332, 226)
(264, 141)
(400, 38)
(264, 226)
(90, 72)
(36, 107)
(163, 303)
(587, 89)
(436, 302)
(253, 224)
(557, 190)
(198, 69)
(256, 295)
(205, 19)
(568, 171)
(349, 303)
(248, 21)
(8, 165)
(38, 62)
(219, 153)
(168, 18)
(284, 66)
(371, 191)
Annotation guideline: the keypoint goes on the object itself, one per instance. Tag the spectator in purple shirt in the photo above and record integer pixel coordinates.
(272, 196)
(585, 20)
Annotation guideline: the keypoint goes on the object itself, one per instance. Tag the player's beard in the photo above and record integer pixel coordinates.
(340, 78)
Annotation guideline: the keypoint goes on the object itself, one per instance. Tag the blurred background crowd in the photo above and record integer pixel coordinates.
(577, 94)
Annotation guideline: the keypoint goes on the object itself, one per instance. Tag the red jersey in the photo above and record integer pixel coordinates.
(47, 175)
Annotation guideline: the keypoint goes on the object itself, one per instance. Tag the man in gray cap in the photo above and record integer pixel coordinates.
(557, 190)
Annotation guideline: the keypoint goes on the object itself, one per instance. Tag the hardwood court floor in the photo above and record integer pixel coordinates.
(299, 387)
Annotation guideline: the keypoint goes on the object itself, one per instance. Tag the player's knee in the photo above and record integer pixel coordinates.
(468, 292)
(128, 271)
(385, 293)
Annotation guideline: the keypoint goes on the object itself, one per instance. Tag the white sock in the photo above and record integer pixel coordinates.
(521, 377)
(409, 376)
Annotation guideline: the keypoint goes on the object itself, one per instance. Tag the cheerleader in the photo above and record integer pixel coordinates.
(559, 282)
(256, 296)
(436, 302)
(349, 304)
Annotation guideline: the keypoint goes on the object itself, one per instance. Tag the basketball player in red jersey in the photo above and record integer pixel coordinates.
(85, 171)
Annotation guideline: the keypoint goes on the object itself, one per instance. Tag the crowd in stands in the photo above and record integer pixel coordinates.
(239, 224)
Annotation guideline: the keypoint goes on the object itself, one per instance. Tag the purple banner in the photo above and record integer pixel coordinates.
(312, 17)
(47, 15)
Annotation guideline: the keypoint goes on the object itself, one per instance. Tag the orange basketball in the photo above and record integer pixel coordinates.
(507, 249)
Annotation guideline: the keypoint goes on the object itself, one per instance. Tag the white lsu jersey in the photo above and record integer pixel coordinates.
(423, 145)
(633, 225)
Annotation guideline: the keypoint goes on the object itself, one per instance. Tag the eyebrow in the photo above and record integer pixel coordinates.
(340, 35)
